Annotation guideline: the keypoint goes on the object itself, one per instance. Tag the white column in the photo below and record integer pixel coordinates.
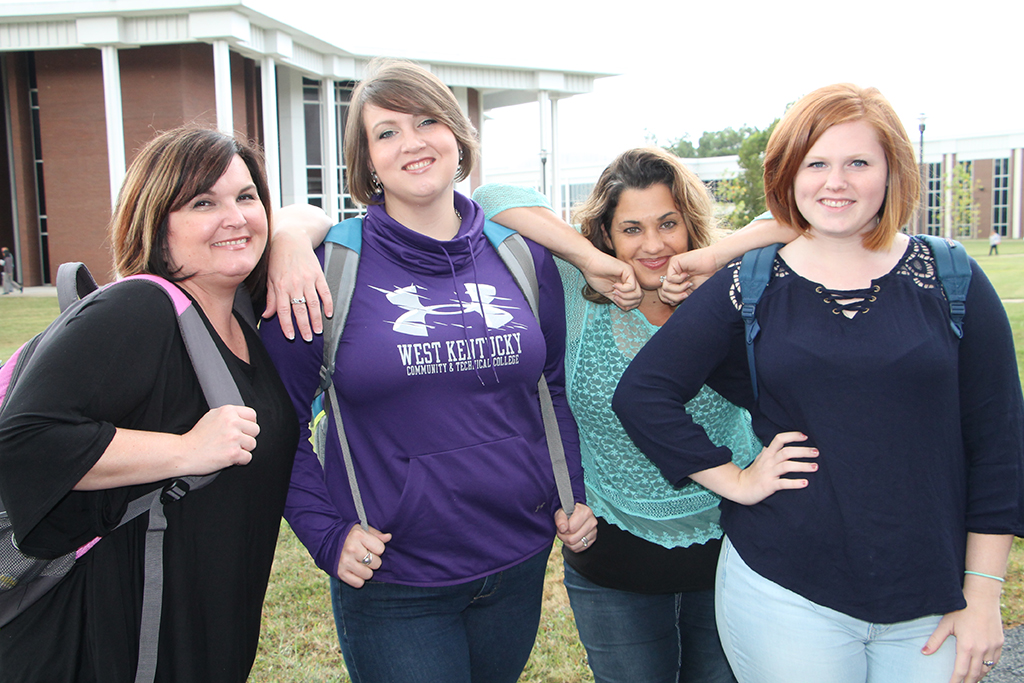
(328, 118)
(292, 135)
(1017, 195)
(556, 183)
(271, 143)
(222, 86)
(948, 168)
(114, 119)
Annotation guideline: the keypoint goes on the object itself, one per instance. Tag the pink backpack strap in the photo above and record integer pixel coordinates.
(177, 297)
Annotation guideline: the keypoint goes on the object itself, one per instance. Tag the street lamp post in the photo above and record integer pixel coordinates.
(924, 177)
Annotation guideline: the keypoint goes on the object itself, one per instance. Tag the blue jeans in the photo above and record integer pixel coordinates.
(634, 637)
(773, 635)
(476, 632)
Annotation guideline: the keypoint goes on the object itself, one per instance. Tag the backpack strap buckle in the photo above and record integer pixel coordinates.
(174, 491)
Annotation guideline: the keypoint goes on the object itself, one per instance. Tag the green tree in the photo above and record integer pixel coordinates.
(960, 206)
(745, 191)
(716, 143)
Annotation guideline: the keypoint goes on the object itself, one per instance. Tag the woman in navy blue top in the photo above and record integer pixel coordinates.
(878, 519)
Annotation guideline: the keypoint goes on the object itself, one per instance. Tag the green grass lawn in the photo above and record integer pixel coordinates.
(298, 643)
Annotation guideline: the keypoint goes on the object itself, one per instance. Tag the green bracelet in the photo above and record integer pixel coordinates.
(987, 576)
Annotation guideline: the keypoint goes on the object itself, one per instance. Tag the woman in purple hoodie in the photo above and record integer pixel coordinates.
(436, 375)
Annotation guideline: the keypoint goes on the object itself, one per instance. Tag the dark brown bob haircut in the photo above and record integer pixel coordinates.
(170, 170)
(805, 123)
(400, 85)
(639, 169)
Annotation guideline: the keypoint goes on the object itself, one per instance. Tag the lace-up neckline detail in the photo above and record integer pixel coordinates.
(849, 302)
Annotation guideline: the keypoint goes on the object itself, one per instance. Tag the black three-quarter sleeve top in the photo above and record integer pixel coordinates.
(121, 362)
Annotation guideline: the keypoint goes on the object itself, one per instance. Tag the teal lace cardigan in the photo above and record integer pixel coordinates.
(623, 486)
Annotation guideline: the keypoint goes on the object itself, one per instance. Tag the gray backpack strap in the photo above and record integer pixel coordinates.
(516, 255)
(357, 498)
(340, 267)
(74, 282)
(341, 264)
(219, 389)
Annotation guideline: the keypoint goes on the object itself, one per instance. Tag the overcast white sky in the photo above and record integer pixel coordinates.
(689, 67)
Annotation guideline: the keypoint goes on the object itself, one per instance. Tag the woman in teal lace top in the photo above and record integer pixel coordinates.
(642, 595)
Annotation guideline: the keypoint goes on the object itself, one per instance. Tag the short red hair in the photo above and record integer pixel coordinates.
(800, 129)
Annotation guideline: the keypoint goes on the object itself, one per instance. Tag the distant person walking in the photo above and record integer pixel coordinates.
(993, 243)
(7, 261)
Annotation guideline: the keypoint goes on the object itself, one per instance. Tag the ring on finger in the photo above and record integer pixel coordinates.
(367, 559)
(584, 541)
(989, 663)
(299, 300)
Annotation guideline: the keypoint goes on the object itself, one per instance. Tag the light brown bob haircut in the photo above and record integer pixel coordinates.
(800, 129)
(639, 169)
(170, 171)
(400, 85)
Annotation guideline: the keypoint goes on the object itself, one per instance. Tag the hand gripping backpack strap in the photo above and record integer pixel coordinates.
(953, 268)
(755, 273)
(516, 255)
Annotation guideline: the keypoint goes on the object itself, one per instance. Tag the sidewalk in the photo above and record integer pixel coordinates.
(46, 290)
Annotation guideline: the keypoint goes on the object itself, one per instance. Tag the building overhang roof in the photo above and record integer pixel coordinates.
(255, 33)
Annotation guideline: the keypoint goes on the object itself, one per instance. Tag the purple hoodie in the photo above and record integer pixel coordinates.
(441, 411)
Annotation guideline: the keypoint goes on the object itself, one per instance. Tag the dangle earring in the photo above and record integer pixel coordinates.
(458, 169)
(377, 187)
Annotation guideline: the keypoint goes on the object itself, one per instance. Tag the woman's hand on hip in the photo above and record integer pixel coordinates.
(579, 531)
(361, 555)
(765, 475)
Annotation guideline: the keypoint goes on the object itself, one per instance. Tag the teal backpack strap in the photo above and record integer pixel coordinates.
(755, 273)
(953, 268)
(516, 255)
(341, 260)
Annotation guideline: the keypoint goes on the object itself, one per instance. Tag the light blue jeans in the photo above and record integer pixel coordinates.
(772, 635)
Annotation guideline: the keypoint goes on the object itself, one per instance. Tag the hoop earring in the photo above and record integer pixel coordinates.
(375, 181)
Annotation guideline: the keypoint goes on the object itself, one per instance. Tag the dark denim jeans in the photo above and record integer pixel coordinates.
(633, 637)
(476, 632)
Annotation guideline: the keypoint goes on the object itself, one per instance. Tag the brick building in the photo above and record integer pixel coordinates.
(86, 84)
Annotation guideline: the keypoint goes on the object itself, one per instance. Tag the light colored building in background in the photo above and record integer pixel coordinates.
(995, 164)
(86, 83)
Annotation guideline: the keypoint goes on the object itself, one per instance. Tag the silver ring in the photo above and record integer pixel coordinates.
(662, 278)
(989, 663)
(300, 300)
(584, 541)
(368, 559)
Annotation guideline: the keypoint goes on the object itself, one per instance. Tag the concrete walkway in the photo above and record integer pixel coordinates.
(47, 290)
